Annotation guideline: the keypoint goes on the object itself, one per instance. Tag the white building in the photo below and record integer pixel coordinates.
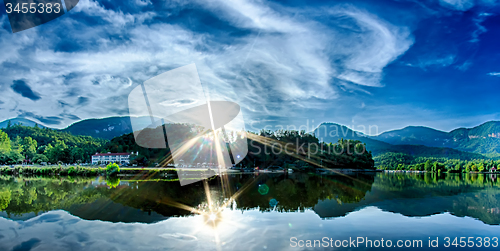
(106, 158)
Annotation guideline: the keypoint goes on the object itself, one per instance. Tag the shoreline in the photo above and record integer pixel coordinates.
(408, 171)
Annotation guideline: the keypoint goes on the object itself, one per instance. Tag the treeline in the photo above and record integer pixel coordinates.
(268, 148)
(292, 149)
(23, 144)
(284, 148)
(401, 161)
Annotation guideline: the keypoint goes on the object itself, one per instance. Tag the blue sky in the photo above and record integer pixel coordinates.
(359, 63)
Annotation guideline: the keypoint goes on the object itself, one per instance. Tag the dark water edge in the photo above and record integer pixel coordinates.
(259, 211)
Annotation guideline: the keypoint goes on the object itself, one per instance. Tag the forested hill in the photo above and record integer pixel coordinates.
(49, 145)
(105, 128)
(36, 144)
(331, 132)
(262, 155)
(483, 139)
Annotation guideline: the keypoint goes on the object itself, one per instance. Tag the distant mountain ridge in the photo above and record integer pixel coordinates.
(104, 128)
(107, 128)
(331, 132)
(415, 135)
(483, 139)
(22, 121)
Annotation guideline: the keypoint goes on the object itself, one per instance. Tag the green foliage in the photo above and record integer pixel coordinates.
(72, 170)
(15, 157)
(428, 166)
(29, 147)
(5, 197)
(112, 182)
(307, 152)
(52, 170)
(404, 142)
(54, 144)
(398, 161)
(5, 146)
(112, 169)
(39, 158)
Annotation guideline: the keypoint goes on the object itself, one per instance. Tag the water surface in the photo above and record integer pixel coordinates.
(246, 212)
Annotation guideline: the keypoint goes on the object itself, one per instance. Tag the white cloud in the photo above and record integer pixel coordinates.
(497, 74)
(286, 62)
(461, 5)
(464, 5)
(465, 66)
(143, 2)
(368, 54)
(480, 29)
(425, 62)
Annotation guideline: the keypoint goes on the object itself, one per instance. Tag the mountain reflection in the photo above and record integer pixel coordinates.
(148, 201)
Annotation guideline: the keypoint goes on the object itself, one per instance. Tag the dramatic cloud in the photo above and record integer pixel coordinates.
(89, 70)
(22, 88)
(279, 62)
(368, 54)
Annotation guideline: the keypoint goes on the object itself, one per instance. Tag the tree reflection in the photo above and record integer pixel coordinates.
(152, 200)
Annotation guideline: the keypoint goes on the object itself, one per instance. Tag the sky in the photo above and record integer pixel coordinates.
(379, 64)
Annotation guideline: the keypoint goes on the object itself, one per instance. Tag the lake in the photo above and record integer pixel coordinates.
(251, 212)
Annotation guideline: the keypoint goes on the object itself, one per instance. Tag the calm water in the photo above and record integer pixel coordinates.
(252, 212)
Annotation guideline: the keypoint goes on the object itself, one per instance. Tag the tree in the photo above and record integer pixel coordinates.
(112, 169)
(467, 168)
(17, 145)
(77, 154)
(58, 152)
(438, 167)
(428, 166)
(39, 158)
(473, 168)
(29, 147)
(50, 153)
(5, 146)
(480, 167)
(15, 157)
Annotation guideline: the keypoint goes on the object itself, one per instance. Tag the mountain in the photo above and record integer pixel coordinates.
(22, 121)
(107, 128)
(104, 128)
(483, 139)
(416, 135)
(331, 132)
